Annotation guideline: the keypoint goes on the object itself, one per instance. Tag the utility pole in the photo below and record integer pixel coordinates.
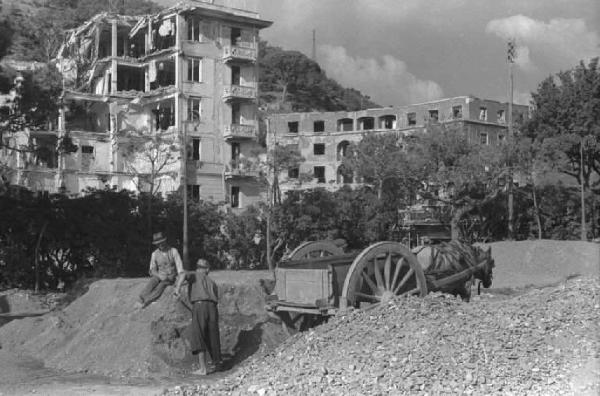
(186, 255)
(511, 61)
(583, 227)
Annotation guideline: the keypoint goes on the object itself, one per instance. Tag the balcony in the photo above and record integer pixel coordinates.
(239, 131)
(238, 92)
(235, 53)
(240, 172)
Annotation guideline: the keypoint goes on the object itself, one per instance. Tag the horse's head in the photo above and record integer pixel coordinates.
(485, 272)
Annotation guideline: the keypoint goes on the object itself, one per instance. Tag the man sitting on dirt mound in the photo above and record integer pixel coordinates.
(203, 332)
(165, 266)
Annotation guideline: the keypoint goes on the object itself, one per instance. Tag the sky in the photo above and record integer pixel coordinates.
(411, 51)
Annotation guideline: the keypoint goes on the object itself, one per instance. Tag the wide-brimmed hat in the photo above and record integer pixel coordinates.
(158, 238)
(202, 263)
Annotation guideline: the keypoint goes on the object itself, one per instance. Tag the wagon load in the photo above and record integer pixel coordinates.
(319, 279)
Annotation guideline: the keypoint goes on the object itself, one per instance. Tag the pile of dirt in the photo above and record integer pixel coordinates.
(540, 342)
(103, 333)
(542, 262)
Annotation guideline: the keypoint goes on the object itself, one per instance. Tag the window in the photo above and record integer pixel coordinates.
(194, 109)
(501, 116)
(411, 118)
(236, 35)
(457, 111)
(194, 72)
(236, 75)
(293, 173)
(319, 149)
(500, 138)
(483, 138)
(87, 149)
(366, 123)
(236, 113)
(345, 124)
(319, 126)
(483, 113)
(193, 191)
(235, 197)
(196, 149)
(319, 174)
(433, 116)
(388, 122)
(194, 33)
(235, 152)
(293, 127)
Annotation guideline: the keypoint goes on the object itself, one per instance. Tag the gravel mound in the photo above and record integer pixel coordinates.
(544, 341)
(102, 333)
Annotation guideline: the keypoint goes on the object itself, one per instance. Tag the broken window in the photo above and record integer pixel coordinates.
(130, 78)
(194, 109)
(87, 149)
(193, 191)
(319, 172)
(194, 72)
(163, 35)
(195, 149)
(161, 73)
(235, 154)
(501, 116)
(433, 115)
(319, 126)
(236, 75)
(164, 116)
(483, 113)
(319, 149)
(293, 127)
(87, 157)
(194, 31)
(411, 118)
(342, 148)
(366, 123)
(235, 197)
(345, 124)
(483, 138)
(236, 36)
(293, 173)
(457, 111)
(387, 122)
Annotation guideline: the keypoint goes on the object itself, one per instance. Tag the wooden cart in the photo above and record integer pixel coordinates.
(319, 279)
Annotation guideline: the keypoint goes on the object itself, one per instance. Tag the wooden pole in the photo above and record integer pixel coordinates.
(511, 55)
(583, 227)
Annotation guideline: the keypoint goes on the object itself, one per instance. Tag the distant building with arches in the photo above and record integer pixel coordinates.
(322, 138)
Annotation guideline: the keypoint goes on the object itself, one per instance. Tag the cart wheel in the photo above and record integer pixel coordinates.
(315, 249)
(380, 272)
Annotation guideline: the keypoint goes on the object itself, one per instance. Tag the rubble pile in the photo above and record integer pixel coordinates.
(543, 341)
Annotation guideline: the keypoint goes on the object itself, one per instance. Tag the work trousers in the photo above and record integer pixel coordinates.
(153, 289)
(203, 332)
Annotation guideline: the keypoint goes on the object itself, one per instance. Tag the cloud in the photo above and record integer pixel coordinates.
(567, 40)
(386, 80)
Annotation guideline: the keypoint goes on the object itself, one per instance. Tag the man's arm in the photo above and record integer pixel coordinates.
(153, 271)
(180, 278)
(178, 262)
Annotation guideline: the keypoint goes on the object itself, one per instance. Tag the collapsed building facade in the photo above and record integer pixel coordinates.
(137, 87)
(323, 137)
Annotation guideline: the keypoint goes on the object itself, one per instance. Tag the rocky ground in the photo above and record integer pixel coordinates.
(540, 342)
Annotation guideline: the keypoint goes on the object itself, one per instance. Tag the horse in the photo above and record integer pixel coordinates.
(450, 258)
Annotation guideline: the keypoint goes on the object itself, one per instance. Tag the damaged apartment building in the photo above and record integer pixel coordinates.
(322, 138)
(136, 87)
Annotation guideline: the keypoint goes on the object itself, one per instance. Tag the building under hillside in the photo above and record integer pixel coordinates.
(136, 85)
(322, 138)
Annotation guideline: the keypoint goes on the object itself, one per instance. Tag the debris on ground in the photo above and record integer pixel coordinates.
(544, 341)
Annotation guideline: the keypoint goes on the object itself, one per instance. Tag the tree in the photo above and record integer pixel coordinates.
(382, 158)
(566, 123)
(461, 173)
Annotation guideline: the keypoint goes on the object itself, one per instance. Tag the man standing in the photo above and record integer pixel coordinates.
(165, 265)
(203, 332)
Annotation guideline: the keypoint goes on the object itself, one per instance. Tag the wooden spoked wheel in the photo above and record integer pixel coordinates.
(380, 272)
(315, 249)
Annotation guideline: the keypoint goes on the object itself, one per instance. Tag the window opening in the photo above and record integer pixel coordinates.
(411, 118)
(319, 149)
(196, 149)
(194, 72)
(293, 127)
(194, 109)
(235, 197)
(456, 111)
(194, 192)
(483, 113)
(319, 174)
(319, 126)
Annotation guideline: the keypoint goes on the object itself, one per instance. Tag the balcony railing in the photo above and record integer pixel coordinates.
(240, 172)
(234, 52)
(232, 92)
(238, 131)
